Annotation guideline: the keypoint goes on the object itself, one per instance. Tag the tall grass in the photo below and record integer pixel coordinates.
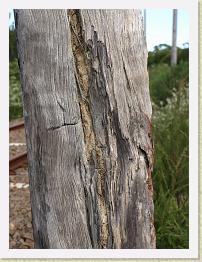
(171, 170)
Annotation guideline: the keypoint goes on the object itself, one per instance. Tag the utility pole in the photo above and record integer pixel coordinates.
(174, 39)
(88, 125)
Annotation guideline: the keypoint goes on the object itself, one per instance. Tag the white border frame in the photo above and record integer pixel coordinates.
(192, 252)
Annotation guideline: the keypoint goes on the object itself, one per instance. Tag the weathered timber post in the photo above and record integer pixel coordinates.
(87, 115)
(174, 39)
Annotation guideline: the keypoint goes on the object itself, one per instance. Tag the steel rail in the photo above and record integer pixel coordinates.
(16, 126)
(16, 162)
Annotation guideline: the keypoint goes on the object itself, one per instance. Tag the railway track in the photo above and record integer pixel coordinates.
(16, 126)
(21, 158)
(20, 219)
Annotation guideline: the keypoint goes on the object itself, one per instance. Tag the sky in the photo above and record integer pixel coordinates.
(159, 27)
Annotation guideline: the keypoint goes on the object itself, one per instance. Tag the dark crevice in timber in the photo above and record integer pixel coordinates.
(62, 125)
(60, 105)
(88, 216)
(126, 75)
(142, 151)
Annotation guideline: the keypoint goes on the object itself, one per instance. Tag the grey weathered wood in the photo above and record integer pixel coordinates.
(174, 39)
(88, 125)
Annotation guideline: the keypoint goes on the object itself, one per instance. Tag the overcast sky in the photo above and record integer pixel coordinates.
(159, 27)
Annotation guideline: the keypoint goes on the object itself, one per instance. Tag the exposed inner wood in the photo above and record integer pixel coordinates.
(83, 71)
(118, 141)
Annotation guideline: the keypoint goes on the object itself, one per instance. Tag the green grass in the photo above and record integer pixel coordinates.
(171, 171)
(164, 79)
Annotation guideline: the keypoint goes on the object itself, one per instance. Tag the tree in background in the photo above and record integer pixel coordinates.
(165, 79)
(15, 96)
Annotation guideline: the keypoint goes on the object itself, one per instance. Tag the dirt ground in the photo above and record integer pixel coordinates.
(20, 225)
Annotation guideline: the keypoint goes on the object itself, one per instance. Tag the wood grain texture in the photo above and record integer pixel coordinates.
(88, 125)
(53, 128)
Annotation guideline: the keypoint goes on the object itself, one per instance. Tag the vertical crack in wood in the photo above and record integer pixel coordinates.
(83, 70)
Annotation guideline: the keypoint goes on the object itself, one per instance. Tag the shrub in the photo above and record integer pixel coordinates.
(162, 54)
(15, 100)
(164, 79)
(171, 171)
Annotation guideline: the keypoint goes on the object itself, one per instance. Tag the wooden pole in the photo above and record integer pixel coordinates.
(88, 126)
(174, 39)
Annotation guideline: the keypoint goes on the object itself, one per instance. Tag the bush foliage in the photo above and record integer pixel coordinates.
(169, 94)
(15, 97)
(171, 171)
(15, 100)
(164, 79)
